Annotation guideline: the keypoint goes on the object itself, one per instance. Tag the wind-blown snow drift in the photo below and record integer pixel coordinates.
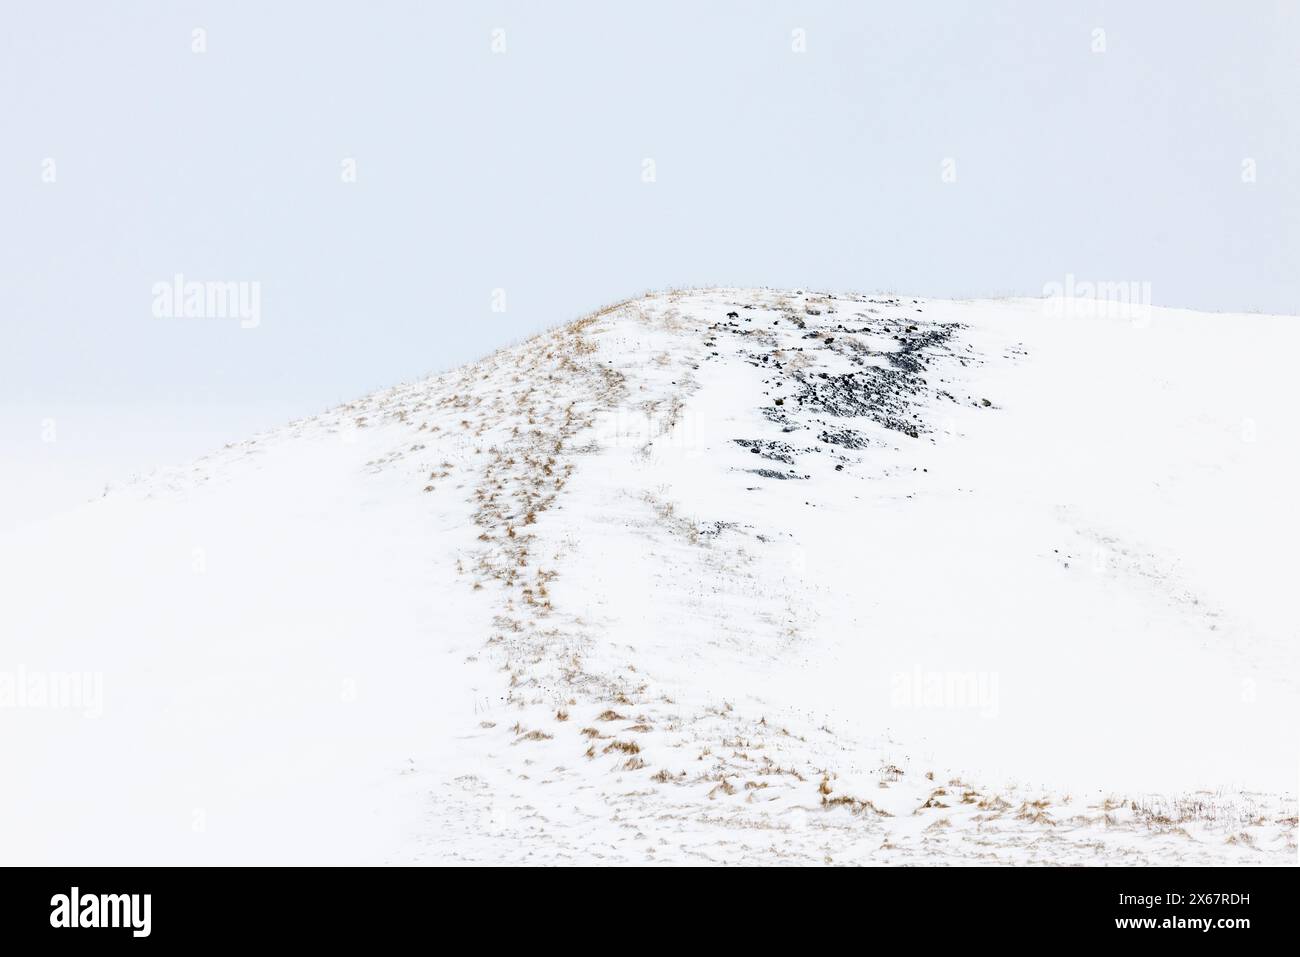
(730, 575)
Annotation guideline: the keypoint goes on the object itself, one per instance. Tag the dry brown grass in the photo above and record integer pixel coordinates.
(855, 805)
(627, 747)
(933, 801)
(722, 787)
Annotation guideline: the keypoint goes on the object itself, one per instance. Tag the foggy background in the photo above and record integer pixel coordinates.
(383, 170)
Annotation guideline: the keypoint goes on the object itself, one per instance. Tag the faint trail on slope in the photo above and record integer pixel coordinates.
(604, 760)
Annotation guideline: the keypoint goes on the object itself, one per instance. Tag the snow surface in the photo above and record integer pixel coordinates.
(992, 582)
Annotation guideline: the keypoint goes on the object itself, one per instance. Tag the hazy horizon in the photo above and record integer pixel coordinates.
(410, 189)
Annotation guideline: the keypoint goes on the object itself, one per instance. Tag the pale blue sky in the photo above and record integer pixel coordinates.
(523, 171)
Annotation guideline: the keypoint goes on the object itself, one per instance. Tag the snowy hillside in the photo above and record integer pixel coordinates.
(709, 576)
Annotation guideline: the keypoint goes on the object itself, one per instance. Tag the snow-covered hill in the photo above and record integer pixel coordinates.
(707, 576)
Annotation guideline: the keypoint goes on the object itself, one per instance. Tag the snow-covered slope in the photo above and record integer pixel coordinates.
(708, 576)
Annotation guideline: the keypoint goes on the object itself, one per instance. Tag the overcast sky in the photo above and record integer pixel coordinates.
(379, 169)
